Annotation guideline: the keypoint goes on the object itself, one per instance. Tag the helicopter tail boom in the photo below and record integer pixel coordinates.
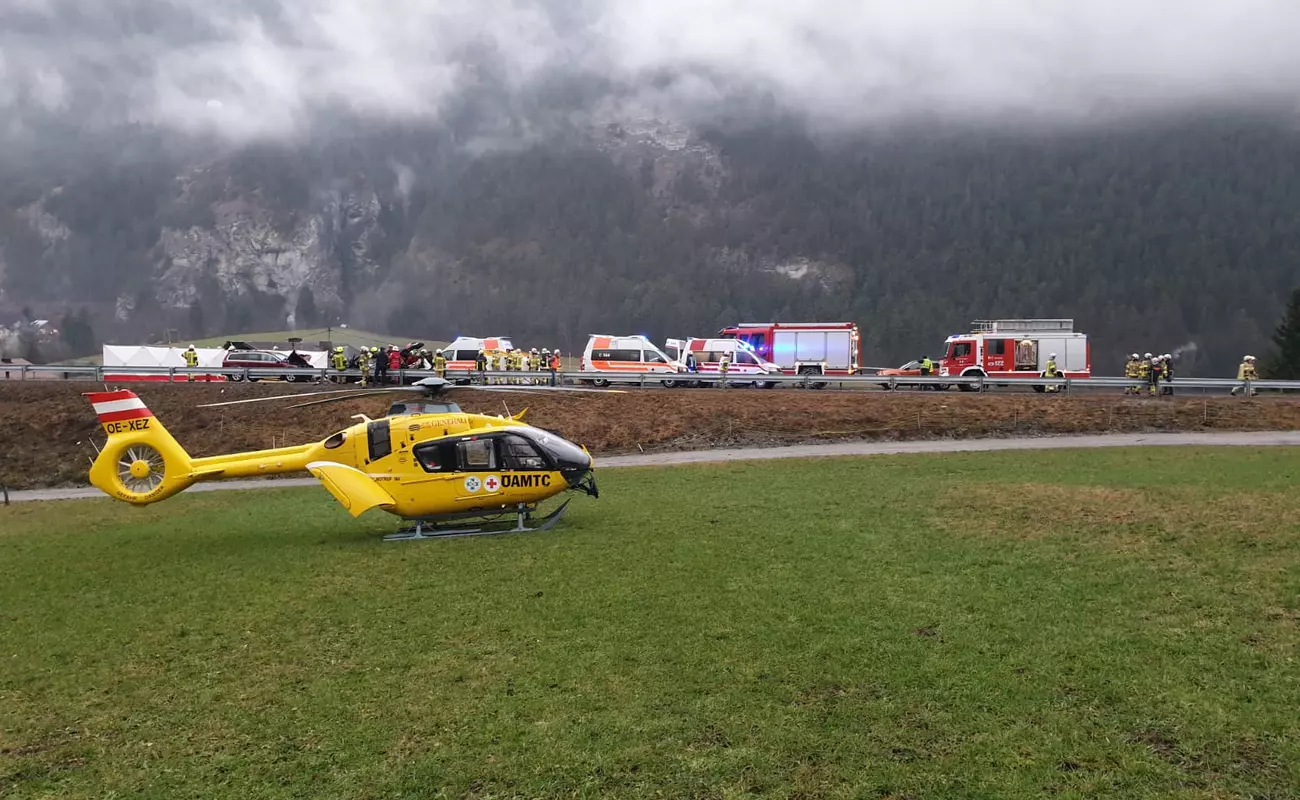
(141, 463)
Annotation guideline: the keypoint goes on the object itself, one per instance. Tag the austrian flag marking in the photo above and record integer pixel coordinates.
(492, 483)
(118, 406)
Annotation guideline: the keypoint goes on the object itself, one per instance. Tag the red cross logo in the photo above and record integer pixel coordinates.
(491, 483)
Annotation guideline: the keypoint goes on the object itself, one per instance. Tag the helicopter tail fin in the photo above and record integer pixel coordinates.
(141, 462)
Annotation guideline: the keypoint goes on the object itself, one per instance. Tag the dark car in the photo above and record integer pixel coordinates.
(296, 367)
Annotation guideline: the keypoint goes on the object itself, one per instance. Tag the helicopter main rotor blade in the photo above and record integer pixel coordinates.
(340, 394)
(356, 395)
(532, 389)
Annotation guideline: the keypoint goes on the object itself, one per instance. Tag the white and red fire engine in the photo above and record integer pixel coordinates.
(1017, 348)
(803, 348)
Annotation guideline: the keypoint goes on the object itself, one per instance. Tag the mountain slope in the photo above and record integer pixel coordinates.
(1181, 234)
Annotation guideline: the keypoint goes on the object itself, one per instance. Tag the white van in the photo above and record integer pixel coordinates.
(463, 351)
(627, 357)
(707, 354)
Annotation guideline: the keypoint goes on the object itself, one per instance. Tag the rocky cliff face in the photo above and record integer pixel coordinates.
(252, 247)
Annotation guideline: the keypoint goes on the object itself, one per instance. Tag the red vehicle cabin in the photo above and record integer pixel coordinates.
(803, 348)
(1017, 348)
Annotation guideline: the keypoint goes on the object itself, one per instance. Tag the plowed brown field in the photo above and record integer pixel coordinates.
(51, 426)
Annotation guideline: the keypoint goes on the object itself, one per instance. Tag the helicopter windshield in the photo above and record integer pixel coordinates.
(565, 454)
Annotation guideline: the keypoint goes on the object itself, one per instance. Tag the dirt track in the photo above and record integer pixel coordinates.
(51, 425)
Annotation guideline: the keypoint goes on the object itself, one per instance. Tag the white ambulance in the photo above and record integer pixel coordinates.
(463, 351)
(609, 358)
(707, 356)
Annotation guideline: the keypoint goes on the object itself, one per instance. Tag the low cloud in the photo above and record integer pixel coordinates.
(248, 69)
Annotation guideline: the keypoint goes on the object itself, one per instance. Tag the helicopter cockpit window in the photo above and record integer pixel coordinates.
(476, 455)
(336, 440)
(519, 453)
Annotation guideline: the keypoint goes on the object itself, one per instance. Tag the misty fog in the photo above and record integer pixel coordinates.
(266, 68)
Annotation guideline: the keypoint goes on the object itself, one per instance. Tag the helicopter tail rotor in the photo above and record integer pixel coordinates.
(141, 463)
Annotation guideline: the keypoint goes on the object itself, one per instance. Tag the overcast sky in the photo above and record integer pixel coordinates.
(254, 68)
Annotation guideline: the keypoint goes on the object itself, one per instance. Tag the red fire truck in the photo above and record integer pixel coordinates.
(1017, 348)
(803, 348)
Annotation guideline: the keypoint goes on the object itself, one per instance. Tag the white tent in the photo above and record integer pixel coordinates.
(124, 357)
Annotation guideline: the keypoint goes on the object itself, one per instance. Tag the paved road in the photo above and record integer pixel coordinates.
(1265, 439)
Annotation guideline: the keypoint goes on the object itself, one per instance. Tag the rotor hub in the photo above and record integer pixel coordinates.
(140, 469)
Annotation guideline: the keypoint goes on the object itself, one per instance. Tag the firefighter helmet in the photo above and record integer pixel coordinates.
(1051, 355)
(1146, 355)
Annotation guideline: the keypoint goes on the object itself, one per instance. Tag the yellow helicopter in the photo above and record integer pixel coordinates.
(443, 471)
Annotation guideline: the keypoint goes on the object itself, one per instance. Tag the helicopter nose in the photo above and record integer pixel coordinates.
(574, 466)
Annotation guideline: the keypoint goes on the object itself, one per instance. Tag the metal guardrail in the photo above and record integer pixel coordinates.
(1064, 385)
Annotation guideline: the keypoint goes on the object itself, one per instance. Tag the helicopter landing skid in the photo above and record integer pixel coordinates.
(442, 528)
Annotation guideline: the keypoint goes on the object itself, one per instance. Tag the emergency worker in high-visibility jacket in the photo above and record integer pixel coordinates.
(339, 362)
(363, 362)
(1246, 372)
(1050, 371)
(724, 366)
(1153, 377)
(440, 364)
(1133, 371)
(191, 361)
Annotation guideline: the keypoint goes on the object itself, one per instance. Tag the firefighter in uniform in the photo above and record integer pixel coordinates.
(191, 361)
(1157, 365)
(1050, 371)
(1144, 371)
(363, 363)
(481, 364)
(340, 363)
(1167, 372)
(1132, 371)
(723, 367)
(1246, 372)
(381, 364)
(440, 363)
(534, 363)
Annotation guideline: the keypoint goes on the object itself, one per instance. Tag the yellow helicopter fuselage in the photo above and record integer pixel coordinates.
(414, 466)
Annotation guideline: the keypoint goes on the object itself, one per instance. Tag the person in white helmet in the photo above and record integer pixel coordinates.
(1246, 373)
(1167, 372)
(1133, 371)
(1050, 371)
(191, 361)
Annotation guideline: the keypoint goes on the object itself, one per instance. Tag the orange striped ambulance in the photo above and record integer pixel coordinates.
(614, 357)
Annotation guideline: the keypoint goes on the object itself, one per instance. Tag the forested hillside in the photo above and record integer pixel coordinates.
(1183, 234)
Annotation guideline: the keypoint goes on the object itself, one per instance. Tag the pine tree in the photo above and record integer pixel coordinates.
(305, 314)
(1284, 362)
(76, 332)
(198, 323)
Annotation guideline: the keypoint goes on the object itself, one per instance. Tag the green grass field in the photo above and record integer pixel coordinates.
(1106, 623)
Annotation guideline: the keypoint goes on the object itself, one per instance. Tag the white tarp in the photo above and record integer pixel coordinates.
(116, 355)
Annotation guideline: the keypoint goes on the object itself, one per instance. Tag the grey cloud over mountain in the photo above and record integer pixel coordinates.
(267, 68)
